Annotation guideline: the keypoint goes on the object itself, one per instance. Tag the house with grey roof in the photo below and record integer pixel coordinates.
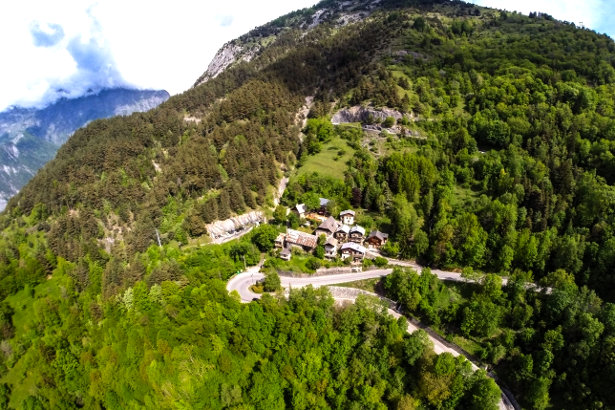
(353, 250)
(341, 234)
(356, 234)
(328, 227)
(376, 239)
(347, 217)
(300, 210)
(331, 248)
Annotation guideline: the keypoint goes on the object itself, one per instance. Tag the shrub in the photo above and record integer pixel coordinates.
(380, 262)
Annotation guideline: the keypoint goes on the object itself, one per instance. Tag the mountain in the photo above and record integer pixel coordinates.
(30, 137)
(479, 140)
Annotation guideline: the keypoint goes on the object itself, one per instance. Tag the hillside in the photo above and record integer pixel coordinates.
(480, 140)
(30, 137)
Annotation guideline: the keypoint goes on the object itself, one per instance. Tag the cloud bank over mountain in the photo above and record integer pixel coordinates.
(95, 67)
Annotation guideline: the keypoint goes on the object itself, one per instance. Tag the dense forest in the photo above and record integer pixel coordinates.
(502, 162)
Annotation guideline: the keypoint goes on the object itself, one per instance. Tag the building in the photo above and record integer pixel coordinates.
(356, 234)
(285, 254)
(331, 248)
(279, 241)
(376, 239)
(353, 250)
(301, 240)
(300, 210)
(342, 233)
(347, 217)
(328, 227)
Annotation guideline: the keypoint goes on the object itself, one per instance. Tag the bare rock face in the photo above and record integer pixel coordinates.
(250, 45)
(233, 225)
(229, 54)
(364, 115)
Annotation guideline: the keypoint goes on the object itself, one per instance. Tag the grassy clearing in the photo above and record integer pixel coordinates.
(328, 162)
(465, 195)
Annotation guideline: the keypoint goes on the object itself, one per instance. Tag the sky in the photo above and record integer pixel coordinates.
(53, 48)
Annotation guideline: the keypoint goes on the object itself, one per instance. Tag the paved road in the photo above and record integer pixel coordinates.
(242, 282)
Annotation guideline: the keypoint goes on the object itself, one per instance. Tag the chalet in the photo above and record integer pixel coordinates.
(342, 233)
(300, 210)
(331, 248)
(328, 227)
(285, 254)
(347, 217)
(301, 240)
(353, 250)
(356, 234)
(376, 239)
(279, 241)
(324, 202)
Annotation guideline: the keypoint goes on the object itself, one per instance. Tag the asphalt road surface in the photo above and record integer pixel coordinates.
(242, 282)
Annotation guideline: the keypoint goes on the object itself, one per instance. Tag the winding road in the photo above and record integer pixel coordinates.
(241, 284)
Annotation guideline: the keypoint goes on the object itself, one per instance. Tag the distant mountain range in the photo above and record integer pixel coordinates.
(30, 137)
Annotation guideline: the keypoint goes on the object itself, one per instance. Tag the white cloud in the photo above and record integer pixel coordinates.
(161, 45)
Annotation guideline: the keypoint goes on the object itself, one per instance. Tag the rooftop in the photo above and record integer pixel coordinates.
(301, 238)
(330, 224)
(343, 228)
(331, 241)
(353, 246)
(377, 234)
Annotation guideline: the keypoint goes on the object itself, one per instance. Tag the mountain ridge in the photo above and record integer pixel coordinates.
(29, 137)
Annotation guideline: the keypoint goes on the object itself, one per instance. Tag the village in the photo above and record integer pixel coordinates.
(339, 237)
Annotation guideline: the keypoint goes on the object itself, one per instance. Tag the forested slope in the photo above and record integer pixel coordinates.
(503, 163)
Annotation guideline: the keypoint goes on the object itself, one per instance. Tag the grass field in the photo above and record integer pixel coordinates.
(328, 161)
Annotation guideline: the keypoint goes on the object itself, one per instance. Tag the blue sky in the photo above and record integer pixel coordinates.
(599, 15)
(74, 45)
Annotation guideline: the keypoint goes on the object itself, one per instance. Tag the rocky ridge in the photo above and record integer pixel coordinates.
(249, 46)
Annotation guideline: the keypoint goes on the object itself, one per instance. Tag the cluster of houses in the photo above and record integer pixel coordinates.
(342, 236)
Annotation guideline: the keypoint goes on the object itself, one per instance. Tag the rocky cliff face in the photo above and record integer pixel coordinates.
(250, 45)
(364, 115)
(30, 137)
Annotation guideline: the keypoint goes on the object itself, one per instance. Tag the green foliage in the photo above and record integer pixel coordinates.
(263, 236)
(380, 262)
(505, 164)
(272, 282)
(279, 214)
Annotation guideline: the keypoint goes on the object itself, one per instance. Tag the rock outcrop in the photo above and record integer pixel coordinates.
(250, 45)
(232, 226)
(230, 53)
(364, 115)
